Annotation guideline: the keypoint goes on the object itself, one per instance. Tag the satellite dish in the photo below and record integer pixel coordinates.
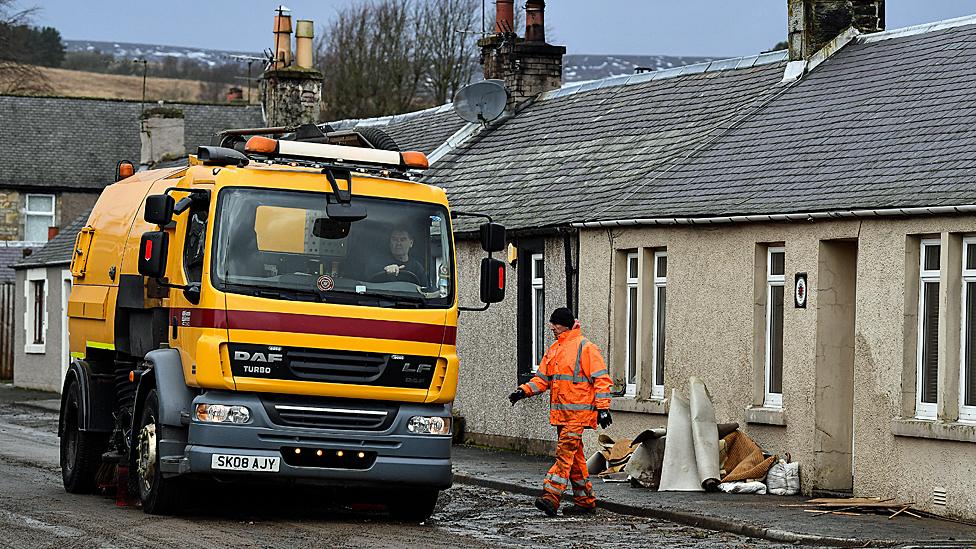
(482, 101)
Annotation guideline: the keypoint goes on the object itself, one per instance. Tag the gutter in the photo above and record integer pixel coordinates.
(808, 216)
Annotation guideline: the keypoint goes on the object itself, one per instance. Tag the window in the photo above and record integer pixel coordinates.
(538, 310)
(35, 313)
(532, 320)
(775, 270)
(927, 373)
(632, 346)
(38, 216)
(967, 363)
(660, 300)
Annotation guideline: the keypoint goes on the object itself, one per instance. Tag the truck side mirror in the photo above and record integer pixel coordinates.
(152, 253)
(492, 280)
(159, 209)
(492, 237)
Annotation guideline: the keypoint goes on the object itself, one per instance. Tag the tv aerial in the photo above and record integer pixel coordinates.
(482, 101)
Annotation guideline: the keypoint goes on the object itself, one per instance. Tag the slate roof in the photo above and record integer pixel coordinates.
(886, 122)
(56, 251)
(422, 131)
(561, 159)
(10, 253)
(73, 144)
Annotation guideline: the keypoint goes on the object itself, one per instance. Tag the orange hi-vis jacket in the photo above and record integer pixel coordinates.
(578, 380)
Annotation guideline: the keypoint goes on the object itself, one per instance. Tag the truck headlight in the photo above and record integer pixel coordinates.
(427, 425)
(222, 413)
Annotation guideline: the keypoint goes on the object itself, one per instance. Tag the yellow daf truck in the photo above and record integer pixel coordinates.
(283, 307)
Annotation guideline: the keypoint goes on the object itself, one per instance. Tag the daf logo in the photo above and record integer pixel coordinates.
(418, 369)
(257, 357)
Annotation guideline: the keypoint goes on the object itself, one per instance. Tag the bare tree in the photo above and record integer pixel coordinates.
(385, 57)
(450, 38)
(15, 76)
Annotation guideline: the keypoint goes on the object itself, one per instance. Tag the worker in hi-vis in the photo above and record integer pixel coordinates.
(579, 383)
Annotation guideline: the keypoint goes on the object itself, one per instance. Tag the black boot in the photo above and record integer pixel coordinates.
(545, 506)
(579, 510)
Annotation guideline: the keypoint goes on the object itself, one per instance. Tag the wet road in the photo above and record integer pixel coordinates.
(36, 512)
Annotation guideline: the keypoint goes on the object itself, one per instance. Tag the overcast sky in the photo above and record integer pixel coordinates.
(673, 27)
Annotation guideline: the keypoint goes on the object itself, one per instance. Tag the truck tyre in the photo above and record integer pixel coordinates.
(81, 452)
(414, 506)
(378, 138)
(158, 495)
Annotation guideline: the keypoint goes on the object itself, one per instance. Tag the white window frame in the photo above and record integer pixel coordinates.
(538, 291)
(657, 391)
(772, 400)
(924, 410)
(67, 282)
(632, 281)
(30, 277)
(28, 213)
(966, 413)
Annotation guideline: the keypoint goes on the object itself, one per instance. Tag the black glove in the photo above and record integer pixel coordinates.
(604, 419)
(517, 395)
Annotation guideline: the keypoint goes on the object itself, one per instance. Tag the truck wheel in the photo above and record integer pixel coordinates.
(378, 138)
(158, 495)
(412, 505)
(81, 452)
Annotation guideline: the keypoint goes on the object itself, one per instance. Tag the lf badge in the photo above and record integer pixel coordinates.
(325, 283)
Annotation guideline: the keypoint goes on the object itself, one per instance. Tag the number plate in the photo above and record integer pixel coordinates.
(229, 462)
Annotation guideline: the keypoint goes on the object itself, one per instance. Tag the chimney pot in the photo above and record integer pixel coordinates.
(504, 16)
(282, 38)
(52, 232)
(304, 33)
(535, 25)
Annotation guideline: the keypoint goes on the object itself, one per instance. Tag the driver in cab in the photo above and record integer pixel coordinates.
(399, 261)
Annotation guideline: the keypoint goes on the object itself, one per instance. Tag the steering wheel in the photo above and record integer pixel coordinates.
(403, 276)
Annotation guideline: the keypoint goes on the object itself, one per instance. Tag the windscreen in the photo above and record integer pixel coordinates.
(282, 245)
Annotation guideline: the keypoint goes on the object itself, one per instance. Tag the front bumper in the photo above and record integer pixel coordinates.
(402, 458)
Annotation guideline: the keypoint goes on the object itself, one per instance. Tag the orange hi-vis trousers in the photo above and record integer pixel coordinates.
(569, 469)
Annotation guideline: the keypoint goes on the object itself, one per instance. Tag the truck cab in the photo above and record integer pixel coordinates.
(278, 308)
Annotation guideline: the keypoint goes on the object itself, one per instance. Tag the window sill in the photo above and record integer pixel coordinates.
(765, 416)
(638, 405)
(938, 430)
(34, 349)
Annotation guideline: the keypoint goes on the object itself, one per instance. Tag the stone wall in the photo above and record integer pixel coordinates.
(10, 206)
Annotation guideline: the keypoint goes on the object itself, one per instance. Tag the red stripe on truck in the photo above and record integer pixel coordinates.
(315, 324)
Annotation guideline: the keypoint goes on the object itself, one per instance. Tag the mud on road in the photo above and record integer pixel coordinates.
(35, 512)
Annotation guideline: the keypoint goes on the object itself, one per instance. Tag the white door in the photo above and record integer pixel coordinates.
(65, 351)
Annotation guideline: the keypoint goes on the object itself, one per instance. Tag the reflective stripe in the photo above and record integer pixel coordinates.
(603, 395)
(535, 388)
(567, 377)
(579, 353)
(574, 435)
(543, 377)
(573, 406)
(601, 373)
(552, 489)
(581, 483)
(556, 478)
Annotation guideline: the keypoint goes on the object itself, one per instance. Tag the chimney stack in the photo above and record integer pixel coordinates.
(814, 23)
(528, 66)
(161, 135)
(291, 89)
(504, 16)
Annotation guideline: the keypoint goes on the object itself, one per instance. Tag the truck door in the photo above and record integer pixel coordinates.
(191, 318)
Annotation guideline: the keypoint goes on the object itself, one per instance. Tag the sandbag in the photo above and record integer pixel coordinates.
(740, 487)
(783, 478)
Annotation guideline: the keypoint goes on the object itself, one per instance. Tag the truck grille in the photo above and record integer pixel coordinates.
(336, 366)
(331, 414)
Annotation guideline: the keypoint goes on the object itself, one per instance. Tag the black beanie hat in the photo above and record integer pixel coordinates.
(563, 316)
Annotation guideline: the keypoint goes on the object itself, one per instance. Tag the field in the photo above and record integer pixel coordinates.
(89, 84)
